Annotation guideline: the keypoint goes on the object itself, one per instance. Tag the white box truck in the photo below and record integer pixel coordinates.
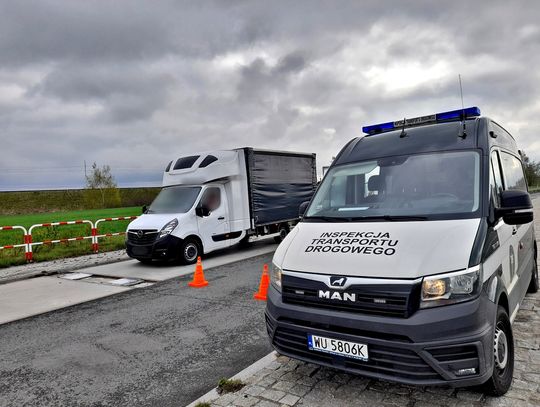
(214, 200)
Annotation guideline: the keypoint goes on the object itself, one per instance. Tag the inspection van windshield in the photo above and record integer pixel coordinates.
(178, 199)
(442, 185)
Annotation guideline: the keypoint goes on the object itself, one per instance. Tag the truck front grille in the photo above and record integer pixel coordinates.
(142, 237)
(380, 299)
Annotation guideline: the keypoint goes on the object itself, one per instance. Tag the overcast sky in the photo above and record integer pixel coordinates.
(134, 84)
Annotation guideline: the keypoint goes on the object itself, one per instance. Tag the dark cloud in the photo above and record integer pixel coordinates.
(133, 84)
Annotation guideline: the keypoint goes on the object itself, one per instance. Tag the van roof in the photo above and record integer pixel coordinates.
(425, 138)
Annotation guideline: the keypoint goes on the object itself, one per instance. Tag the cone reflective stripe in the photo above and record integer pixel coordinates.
(263, 286)
(198, 277)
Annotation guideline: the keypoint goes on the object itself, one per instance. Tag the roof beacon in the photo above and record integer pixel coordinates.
(453, 115)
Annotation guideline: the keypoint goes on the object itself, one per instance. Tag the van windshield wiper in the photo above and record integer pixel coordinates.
(326, 218)
(389, 218)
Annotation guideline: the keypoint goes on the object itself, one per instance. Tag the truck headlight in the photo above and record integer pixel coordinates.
(450, 288)
(168, 228)
(275, 276)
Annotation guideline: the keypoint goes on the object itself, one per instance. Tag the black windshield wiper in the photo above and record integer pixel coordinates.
(389, 218)
(327, 218)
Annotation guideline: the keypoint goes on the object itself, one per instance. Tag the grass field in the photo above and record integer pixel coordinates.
(23, 202)
(9, 257)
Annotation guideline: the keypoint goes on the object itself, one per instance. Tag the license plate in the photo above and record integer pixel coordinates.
(338, 347)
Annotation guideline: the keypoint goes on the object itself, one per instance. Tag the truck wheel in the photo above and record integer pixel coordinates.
(244, 242)
(189, 251)
(503, 356)
(533, 286)
(283, 232)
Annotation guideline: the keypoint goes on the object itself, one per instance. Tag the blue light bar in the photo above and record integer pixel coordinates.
(451, 115)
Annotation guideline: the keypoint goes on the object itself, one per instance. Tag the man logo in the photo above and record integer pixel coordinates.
(338, 281)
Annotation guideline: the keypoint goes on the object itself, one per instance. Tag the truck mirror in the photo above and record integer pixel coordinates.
(516, 207)
(202, 211)
(302, 208)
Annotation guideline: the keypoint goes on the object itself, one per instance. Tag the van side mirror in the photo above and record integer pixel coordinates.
(202, 211)
(302, 208)
(144, 209)
(516, 207)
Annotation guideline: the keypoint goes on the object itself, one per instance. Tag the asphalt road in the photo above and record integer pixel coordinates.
(163, 345)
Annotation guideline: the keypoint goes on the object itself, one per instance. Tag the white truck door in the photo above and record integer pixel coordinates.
(214, 228)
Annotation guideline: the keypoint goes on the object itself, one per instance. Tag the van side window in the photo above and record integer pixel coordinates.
(513, 172)
(211, 199)
(495, 178)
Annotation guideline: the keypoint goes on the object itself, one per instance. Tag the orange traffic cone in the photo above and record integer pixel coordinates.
(198, 276)
(263, 286)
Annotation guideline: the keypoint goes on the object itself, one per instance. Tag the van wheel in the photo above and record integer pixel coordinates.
(533, 286)
(189, 251)
(503, 356)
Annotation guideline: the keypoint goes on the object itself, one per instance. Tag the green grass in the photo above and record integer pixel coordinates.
(90, 214)
(23, 202)
(229, 385)
(9, 257)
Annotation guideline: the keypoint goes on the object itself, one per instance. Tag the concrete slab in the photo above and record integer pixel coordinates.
(157, 272)
(23, 299)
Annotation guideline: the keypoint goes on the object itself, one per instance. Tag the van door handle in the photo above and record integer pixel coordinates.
(514, 230)
(221, 218)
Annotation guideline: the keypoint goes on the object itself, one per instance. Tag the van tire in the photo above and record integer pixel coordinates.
(189, 251)
(501, 378)
(533, 286)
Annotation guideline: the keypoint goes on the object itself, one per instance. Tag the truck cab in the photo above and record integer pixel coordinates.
(195, 211)
(412, 258)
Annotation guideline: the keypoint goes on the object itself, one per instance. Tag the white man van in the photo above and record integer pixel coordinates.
(413, 256)
(214, 200)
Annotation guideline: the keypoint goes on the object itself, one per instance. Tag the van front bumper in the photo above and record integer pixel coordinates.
(166, 248)
(428, 348)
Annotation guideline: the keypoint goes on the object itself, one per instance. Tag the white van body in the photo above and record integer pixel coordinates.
(413, 257)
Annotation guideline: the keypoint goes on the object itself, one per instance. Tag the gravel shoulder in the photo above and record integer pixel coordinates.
(30, 270)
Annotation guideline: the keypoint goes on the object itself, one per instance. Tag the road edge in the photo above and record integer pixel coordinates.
(242, 375)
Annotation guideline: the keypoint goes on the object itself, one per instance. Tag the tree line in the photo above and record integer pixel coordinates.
(532, 171)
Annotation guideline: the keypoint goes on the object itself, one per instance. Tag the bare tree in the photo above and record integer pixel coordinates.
(101, 179)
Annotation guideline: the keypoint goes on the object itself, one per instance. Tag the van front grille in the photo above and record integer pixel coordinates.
(391, 300)
(141, 236)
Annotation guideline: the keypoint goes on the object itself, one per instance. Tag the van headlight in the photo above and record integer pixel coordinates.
(451, 288)
(168, 228)
(275, 276)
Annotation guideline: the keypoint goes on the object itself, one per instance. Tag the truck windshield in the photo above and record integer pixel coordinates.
(415, 187)
(177, 199)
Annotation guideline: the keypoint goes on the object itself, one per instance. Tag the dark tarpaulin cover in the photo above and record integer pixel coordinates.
(279, 183)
